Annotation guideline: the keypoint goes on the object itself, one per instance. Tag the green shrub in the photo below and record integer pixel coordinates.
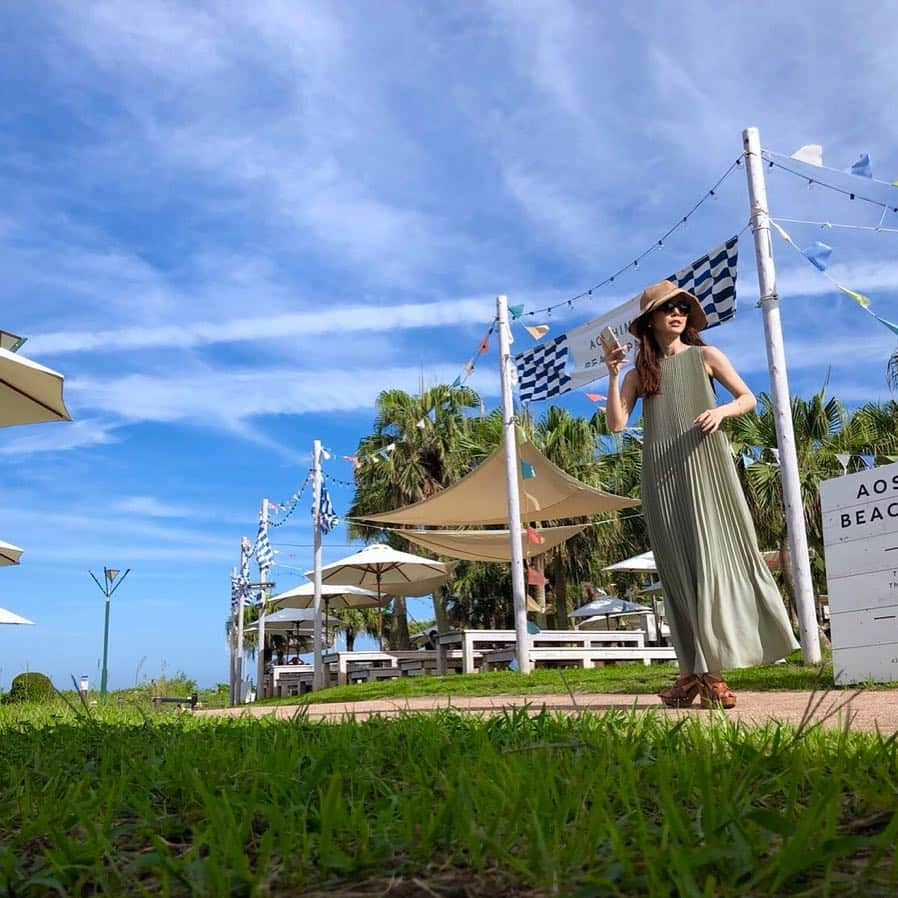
(31, 687)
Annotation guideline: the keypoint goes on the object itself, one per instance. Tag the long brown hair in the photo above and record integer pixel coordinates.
(648, 356)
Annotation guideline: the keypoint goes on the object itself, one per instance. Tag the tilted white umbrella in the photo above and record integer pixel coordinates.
(29, 393)
(300, 619)
(389, 572)
(9, 554)
(644, 562)
(8, 617)
(335, 597)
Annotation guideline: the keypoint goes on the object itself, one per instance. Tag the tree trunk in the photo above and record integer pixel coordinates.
(440, 612)
(559, 588)
(399, 636)
(788, 581)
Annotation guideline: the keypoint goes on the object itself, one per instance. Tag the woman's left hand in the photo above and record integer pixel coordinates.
(709, 420)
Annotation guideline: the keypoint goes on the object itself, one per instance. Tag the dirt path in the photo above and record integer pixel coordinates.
(864, 711)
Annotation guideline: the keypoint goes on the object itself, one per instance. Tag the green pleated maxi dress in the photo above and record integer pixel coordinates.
(721, 603)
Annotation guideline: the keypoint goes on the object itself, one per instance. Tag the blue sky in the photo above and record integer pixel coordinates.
(231, 225)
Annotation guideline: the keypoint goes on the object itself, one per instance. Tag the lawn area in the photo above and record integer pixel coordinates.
(121, 803)
(616, 678)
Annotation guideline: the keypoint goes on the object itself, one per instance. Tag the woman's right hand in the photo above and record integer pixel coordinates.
(614, 359)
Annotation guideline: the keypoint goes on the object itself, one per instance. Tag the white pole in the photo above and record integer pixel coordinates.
(785, 434)
(232, 644)
(263, 593)
(241, 648)
(318, 671)
(519, 591)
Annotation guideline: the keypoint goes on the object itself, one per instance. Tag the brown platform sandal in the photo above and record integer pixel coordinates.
(715, 692)
(683, 692)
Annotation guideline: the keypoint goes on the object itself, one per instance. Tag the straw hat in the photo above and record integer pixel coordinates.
(659, 293)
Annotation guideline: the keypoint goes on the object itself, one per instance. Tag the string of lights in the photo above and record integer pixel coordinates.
(652, 248)
(811, 182)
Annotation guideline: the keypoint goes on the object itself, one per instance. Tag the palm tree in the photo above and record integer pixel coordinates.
(355, 622)
(421, 444)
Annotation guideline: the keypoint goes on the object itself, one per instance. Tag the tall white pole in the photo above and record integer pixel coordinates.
(232, 644)
(241, 648)
(263, 595)
(519, 591)
(318, 672)
(785, 434)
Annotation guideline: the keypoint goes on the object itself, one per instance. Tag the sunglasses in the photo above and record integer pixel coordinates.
(681, 306)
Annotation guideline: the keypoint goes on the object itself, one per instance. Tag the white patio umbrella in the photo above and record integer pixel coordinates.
(335, 597)
(644, 563)
(8, 617)
(300, 619)
(609, 607)
(389, 572)
(9, 554)
(29, 393)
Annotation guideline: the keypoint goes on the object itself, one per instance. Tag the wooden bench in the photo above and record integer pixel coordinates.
(576, 657)
(293, 682)
(191, 700)
(370, 674)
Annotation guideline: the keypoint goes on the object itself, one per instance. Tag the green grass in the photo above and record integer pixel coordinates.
(445, 804)
(617, 679)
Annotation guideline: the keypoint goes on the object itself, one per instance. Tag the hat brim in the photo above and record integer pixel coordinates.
(696, 318)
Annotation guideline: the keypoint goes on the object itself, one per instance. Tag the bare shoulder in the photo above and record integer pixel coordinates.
(631, 380)
(714, 359)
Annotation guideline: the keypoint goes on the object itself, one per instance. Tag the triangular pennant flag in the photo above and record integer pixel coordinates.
(534, 537)
(456, 382)
(817, 254)
(527, 470)
(868, 460)
(484, 344)
(390, 448)
(537, 331)
(889, 324)
(535, 577)
(469, 365)
(326, 454)
(516, 311)
(594, 397)
(859, 298)
(422, 424)
(843, 458)
(747, 460)
(811, 153)
(862, 167)
(755, 452)
(776, 455)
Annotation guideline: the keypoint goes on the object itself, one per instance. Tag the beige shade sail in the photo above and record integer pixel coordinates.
(9, 554)
(29, 393)
(10, 617)
(482, 498)
(488, 545)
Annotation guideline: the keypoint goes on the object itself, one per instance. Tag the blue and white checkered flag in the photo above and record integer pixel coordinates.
(574, 359)
(264, 555)
(236, 589)
(327, 517)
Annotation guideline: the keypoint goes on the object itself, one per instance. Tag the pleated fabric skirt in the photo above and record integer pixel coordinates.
(722, 606)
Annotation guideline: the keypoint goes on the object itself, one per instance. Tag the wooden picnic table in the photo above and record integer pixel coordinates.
(342, 662)
(581, 657)
(473, 643)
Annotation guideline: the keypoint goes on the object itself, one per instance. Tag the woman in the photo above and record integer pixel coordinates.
(723, 608)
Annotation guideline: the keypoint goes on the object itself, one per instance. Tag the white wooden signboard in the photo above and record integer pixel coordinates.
(860, 538)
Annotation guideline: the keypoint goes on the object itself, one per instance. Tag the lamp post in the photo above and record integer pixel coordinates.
(108, 587)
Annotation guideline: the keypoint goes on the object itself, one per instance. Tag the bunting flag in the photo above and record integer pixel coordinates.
(862, 168)
(818, 254)
(354, 459)
(236, 590)
(527, 471)
(811, 153)
(534, 537)
(421, 424)
(537, 331)
(535, 577)
(575, 358)
(516, 311)
(327, 517)
(776, 455)
(484, 344)
(843, 459)
(456, 382)
(859, 298)
(889, 324)
(469, 366)
(595, 397)
(264, 555)
(747, 460)
(868, 460)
